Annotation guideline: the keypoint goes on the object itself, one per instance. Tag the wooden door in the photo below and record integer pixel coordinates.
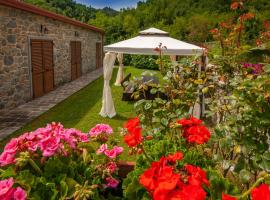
(76, 60)
(98, 55)
(42, 67)
(48, 66)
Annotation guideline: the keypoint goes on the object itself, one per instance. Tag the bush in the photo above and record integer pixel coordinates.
(144, 62)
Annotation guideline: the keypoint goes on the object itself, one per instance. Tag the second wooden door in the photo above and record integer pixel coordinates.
(76, 60)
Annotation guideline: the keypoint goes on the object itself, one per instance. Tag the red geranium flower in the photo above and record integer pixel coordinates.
(132, 123)
(197, 176)
(175, 157)
(149, 179)
(197, 134)
(134, 135)
(194, 131)
(261, 193)
(132, 139)
(227, 197)
(189, 192)
(189, 122)
(163, 182)
(167, 182)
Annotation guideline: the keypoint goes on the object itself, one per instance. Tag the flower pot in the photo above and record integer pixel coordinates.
(125, 168)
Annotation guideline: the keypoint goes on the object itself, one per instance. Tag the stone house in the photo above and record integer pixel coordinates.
(40, 50)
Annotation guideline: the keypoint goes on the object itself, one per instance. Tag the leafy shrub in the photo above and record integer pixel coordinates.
(144, 62)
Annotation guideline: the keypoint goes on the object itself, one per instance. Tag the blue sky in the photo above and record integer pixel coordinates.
(116, 4)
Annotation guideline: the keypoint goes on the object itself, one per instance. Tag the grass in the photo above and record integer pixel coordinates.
(81, 111)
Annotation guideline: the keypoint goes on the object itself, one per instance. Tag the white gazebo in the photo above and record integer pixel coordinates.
(144, 44)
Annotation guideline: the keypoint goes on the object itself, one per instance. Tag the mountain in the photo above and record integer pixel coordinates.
(109, 11)
(72, 9)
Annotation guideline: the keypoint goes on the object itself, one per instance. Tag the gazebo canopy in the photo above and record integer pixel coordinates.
(150, 39)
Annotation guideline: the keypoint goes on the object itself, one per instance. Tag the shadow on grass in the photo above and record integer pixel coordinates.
(121, 117)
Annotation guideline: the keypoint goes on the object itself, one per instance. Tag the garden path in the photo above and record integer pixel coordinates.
(16, 118)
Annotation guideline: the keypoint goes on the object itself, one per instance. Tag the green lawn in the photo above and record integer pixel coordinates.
(81, 110)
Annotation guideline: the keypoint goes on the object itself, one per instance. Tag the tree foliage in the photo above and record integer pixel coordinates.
(188, 20)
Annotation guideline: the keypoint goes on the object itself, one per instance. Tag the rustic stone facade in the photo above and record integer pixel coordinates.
(17, 28)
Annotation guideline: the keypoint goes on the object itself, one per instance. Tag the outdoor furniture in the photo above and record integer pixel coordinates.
(131, 87)
(127, 88)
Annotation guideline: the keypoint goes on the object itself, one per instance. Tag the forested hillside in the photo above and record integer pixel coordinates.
(72, 9)
(189, 20)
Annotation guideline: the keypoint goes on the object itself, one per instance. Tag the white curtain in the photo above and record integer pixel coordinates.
(120, 73)
(108, 109)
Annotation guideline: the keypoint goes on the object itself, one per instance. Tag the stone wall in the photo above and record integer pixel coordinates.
(17, 27)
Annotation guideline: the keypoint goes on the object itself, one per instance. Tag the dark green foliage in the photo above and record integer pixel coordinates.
(188, 20)
(144, 62)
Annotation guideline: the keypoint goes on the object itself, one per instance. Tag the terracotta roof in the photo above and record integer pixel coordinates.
(33, 9)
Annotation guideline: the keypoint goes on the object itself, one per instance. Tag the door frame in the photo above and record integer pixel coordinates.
(29, 39)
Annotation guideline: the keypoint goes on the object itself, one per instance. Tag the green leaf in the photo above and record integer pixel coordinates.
(164, 122)
(244, 176)
(64, 190)
(7, 173)
(153, 91)
(147, 106)
(264, 164)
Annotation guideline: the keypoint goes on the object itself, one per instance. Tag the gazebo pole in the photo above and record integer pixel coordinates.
(201, 96)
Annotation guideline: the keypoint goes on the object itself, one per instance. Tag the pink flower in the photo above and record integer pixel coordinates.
(111, 167)
(49, 146)
(19, 194)
(111, 182)
(32, 146)
(114, 152)
(12, 146)
(7, 158)
(5, 187)
(81, 136)
(118, 150)
(102, 148)
(99, 129)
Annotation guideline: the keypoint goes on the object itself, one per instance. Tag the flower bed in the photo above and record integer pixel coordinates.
(58, 163)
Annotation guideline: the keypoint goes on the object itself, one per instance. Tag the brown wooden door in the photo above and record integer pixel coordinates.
(42, 67)
(98, 55)
(48, 66)
(76, 61)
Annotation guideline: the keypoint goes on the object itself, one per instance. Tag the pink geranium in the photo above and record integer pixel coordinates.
(19, 194)
(114, 152)
(111, 167)
(7, 158)
(99, 129)
(12, 146)
(50, 140)
(102, 148)
(5, 186)
(7, 192)
(49, 146)
(111, 182)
